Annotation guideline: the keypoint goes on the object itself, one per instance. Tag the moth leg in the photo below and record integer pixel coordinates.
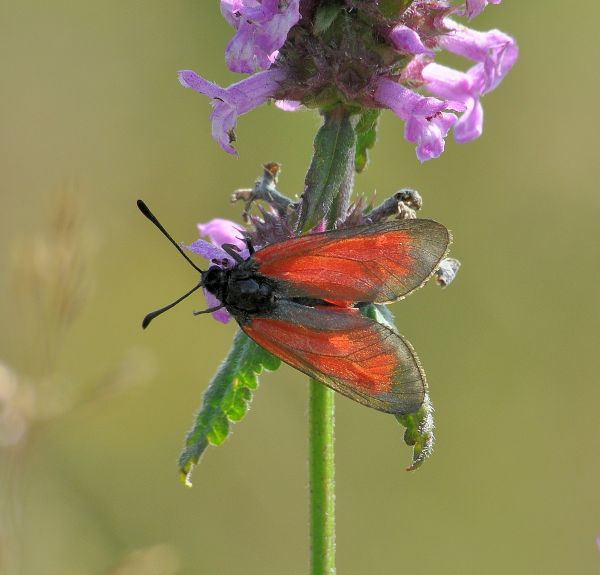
(209, 310)
(249, 245)
(233, 251)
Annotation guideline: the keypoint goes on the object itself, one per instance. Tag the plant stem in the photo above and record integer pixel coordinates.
(328, 187)
(322, 478)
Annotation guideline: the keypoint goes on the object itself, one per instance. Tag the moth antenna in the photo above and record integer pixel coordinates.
(146, 321)
(146, 211)
(209, 310)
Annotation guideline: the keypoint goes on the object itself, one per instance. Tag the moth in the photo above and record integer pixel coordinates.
(301, 299)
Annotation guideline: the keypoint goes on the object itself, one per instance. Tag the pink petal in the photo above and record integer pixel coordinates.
(404, 102)
(221, 231)
(470, 125)
(475, 7)
(288, 105)
(407, 40)
(233, 101)
(208, 251)
(222, 314)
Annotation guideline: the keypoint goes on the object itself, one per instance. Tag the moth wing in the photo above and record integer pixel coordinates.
(360, 358)
(375, 263)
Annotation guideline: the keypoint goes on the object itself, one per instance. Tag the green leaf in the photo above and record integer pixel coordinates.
(366, 135)
(419, 432)
(226, 400)
(419, 425)
(328, 182)
(325, 16)
(381, 314)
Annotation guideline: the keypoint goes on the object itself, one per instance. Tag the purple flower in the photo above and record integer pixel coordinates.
(463, 87)
(407, 40)
(262, 27)
(475, 7)
(495, 50)
(231, 102)
(348, 66)
(429, 134)
(220, 232)
(427, 124)
(495, 53)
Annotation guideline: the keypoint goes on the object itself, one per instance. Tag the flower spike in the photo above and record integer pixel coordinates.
(360, 55)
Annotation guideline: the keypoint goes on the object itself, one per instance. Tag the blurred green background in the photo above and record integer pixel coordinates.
(92, 118)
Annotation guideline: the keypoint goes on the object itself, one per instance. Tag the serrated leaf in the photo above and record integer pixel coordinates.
(219, 430)
(366, 136)
(419, 425)
(269, 362)
(250, 380)
(325, 16)
(419, 432)
(239, 407)
(226, 400)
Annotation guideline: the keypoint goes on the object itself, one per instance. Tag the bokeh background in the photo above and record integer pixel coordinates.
(93, 410)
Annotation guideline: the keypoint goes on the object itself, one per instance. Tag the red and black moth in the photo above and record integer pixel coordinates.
(301, 300)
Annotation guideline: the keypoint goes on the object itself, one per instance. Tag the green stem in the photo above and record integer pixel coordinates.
(322, 479)
(328, 187)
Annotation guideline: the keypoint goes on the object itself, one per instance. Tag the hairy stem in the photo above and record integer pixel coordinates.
(328, 187)
(322, 479)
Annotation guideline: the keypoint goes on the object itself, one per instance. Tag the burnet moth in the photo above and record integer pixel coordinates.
(301, 300)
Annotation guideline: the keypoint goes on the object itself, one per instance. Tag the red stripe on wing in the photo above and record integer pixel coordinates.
(375, 263)
(350, 353)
